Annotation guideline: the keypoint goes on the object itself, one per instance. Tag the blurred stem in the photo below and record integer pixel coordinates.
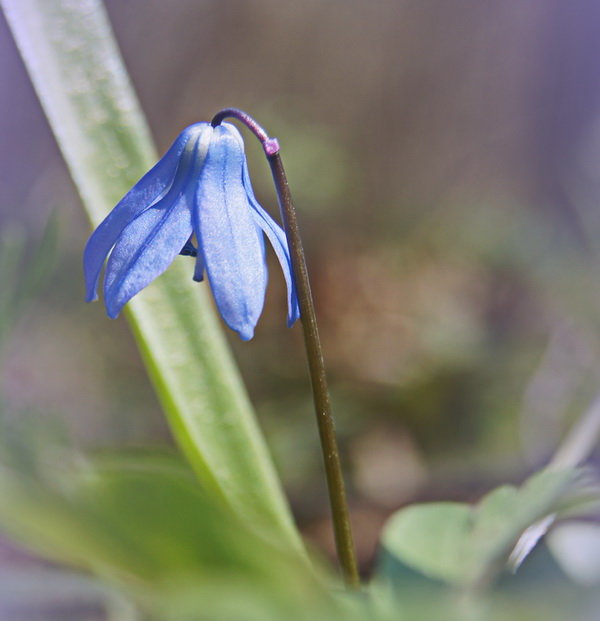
(325, 422)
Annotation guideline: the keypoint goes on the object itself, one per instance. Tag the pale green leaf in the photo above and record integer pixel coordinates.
(467, 544)
(140, 522)
(77, 71)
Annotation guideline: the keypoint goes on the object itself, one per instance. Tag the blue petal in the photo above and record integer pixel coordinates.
(276, 236)
(231, 243)
(148, 245)
(148, 190)
(144, 250)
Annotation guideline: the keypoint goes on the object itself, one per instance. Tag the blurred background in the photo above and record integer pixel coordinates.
(445, 161)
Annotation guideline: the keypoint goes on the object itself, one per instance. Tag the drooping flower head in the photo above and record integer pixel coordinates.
(199, 189)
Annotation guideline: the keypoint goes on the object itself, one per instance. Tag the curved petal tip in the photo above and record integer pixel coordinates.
(246, 334)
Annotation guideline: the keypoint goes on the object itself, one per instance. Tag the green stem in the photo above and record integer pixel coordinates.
(333, 469)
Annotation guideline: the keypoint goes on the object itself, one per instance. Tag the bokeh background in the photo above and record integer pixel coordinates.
(445, 161)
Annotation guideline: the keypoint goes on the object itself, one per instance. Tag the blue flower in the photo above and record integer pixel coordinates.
(199, 190)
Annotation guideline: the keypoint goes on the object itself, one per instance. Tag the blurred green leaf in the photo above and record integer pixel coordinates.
(464, 544)
(141, 522)
(77, 71)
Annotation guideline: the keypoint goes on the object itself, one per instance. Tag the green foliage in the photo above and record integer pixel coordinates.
(466, 545)
(141, 523)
